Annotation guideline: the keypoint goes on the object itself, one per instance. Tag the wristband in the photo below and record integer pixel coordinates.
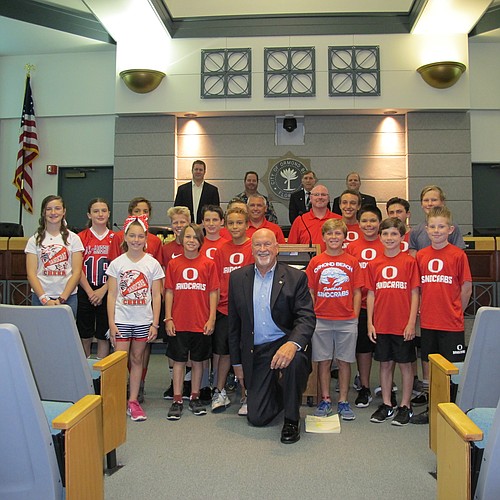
(168, 319)
(44, 299)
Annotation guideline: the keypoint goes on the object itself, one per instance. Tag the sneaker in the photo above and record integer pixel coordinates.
(378, 390)
(344, 410)
(403, 416)
(394, 401)
(364, 397)
(196, 406)
(231, 382)
(324, 409)
(357, 383)
(420, 400)
(220, 401)
(206, 395)
(337, 386)
(334, 373)
(186, 390)
(140, 396)
(421, 418)
(243, 411)
(135, 411)
(175, 411)
(169, 393)
(418, 386)
(382, 414)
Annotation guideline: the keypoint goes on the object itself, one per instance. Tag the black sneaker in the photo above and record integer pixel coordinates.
(394, 401)
(186, 390)
(175, 411)
(420, 400)
(364, 397)
(206, 395)
(169, 393)
(421, 418)
(383, 413)
(403, 416)
(197, 407)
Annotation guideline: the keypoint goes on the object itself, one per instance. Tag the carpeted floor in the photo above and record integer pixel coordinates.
(221, 456)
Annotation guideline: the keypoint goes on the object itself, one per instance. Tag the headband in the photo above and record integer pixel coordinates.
(141, 219)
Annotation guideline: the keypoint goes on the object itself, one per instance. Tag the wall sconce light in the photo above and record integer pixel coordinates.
(142, 81)
(441, 75)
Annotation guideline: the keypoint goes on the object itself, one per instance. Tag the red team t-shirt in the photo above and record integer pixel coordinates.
(333, 280)
(280, 238)
(228, 258)
(191, 280)
(153, 246)
(392, 279)
(171, 250)
(95, 256)
(443, 272)
(365, 251)
(210, 247)
(353, 234)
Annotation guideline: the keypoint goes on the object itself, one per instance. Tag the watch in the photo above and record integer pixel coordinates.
(61, 300)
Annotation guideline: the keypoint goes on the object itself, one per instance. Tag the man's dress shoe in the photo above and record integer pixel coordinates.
(290, 433)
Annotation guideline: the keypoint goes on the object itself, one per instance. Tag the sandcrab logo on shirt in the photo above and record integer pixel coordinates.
(134, 287)
(55, 260)
(333, 278)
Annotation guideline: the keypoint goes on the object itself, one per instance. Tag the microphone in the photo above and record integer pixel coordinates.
(307, 229)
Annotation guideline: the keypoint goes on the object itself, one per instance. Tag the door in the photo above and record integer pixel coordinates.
(78, 185)
(486, 209)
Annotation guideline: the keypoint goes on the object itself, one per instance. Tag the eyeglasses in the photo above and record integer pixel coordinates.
(319, 194)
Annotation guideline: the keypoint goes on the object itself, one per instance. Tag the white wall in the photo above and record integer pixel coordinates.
(74, 106)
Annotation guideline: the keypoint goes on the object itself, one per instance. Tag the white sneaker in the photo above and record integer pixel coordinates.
(220, 401)
(243, 411)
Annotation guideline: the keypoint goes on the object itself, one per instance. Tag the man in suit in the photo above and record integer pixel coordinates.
(197, 193)
(300, 201)
(353, 182)
(271, 322)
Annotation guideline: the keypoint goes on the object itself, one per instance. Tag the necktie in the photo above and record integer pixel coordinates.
(308, 200)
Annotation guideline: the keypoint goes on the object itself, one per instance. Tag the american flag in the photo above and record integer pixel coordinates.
(28, 151)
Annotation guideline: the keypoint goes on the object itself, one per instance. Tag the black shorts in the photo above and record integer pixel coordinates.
(220, 337)
(91, 321)
(390, 347)
(189, 345)
(363, 344)
(451, 345)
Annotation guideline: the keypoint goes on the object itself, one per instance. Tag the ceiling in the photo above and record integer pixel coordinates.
(45, 27)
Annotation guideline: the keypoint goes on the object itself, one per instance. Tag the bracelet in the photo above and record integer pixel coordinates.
(44, 299)
(168, 319)
(156, 326)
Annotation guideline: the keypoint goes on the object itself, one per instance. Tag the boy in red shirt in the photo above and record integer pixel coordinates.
(191, 291)
(392, 307)
(446, 287)
(180, 217)
(366, 249)
(335, 280)
(212, 219)
(230, 256)
(350, 203)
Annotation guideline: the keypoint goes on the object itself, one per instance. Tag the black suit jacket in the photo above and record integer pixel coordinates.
(291, 308)
(366, 199)
(184, 198)
(297, 205)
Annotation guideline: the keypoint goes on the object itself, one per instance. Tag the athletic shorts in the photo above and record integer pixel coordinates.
(335, 336)
(363, 344)
(451, 345)
(127, 333)
(220, 337)
(92, 321)
(189, 345)
(390, 347)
